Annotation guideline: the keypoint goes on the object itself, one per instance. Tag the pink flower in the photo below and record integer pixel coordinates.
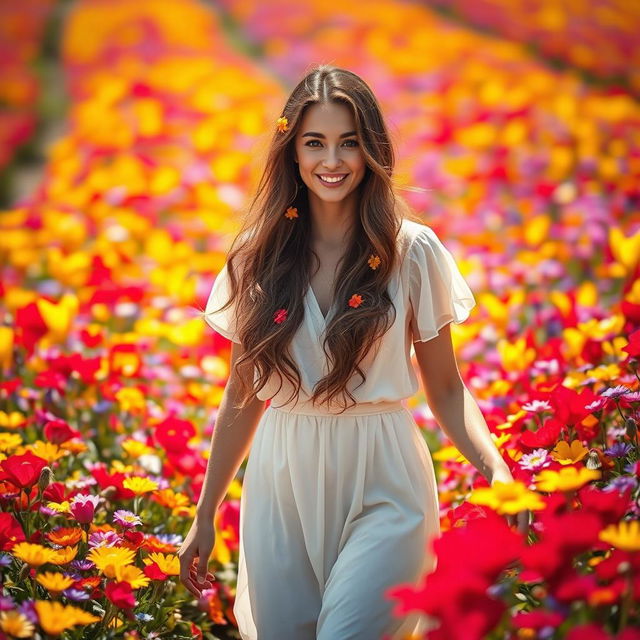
(83, 507)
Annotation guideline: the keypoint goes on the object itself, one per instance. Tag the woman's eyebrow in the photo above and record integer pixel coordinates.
(314, 134)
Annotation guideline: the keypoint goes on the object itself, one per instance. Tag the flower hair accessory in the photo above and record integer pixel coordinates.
(280, 316)
(283, 124)
(291, 213)
(374, 261)
(355, 300)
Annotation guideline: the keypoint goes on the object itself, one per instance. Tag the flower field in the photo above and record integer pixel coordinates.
(110, 379)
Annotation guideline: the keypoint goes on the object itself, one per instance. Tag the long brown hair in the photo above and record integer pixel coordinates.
(269, 268)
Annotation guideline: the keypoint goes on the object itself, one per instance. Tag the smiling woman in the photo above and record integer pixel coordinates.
(339, 503)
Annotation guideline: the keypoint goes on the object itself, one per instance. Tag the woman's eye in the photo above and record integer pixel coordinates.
(355, 142)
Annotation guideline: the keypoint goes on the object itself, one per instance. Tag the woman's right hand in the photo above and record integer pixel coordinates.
(198, 544)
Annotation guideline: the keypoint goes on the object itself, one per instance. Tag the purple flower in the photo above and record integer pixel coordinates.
(621, 484)
(126, 519)
(76, 594)
(618, 449)
(82, 565)
(28, 609)
(616, 392)
(83, 507)
(5, 560)
(7, 603)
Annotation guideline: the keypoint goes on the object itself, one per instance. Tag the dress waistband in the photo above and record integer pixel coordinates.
(360, 409)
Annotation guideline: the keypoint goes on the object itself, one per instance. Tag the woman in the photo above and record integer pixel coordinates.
(328, 290)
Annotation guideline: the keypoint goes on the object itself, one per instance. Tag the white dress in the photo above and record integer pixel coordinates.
(336, 509)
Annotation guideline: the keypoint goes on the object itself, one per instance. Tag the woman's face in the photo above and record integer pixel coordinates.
(326, 145)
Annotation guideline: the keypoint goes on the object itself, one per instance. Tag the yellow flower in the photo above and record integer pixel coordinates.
(54, 581)
(60, 507)
(139, 485)
(10, 441)
(374, 261)
(55, 618)
(34, 555)
(65, 555)
(12, 420)
(107, 559)
(291, 213)
(47, 450)
(167, 563)
(282, 123)
(169, 498)
(131, 574)
(566, 453)
(16, 624)
(625, 535)
(135, 448)
(566, 479)
(507, 497)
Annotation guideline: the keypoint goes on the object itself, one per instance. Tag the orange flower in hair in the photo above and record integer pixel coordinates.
(280, 316)
(355, 300)
(283, 124)
(374, 261)
(291, 213)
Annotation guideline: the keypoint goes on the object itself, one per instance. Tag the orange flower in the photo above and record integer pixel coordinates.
(283, 124)
(374, 261)
(280, 316)
(355, 300)
(291, 213)
(66, 536)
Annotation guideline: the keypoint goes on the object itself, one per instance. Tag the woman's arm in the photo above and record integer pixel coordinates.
(231, 440)
(455, 409)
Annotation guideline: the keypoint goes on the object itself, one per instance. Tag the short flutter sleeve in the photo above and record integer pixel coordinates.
(221, 321)
(437, 291)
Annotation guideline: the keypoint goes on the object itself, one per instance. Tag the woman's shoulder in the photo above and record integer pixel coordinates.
(409, 231)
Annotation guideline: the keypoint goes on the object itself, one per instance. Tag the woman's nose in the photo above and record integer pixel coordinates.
(332, 158)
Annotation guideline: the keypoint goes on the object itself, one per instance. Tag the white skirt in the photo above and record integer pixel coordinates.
(335, 510)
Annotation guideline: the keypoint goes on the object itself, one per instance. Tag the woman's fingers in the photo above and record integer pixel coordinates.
(186, 561)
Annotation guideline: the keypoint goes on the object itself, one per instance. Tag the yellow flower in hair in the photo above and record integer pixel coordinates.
(283, 124)
(291, 213)
(374, 261)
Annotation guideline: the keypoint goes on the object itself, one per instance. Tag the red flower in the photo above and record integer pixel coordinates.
(280, 316)
(545, 436)
(355, 300)
(58, 431)
(173, 434)
(10, 532)
(121, 594)
(536, 619)
(22, 471)
(154, 572)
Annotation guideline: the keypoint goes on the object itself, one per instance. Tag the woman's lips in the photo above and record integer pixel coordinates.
(332, 185)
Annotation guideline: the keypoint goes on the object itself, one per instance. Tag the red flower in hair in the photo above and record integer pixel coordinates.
(280, 316)
(355, 300)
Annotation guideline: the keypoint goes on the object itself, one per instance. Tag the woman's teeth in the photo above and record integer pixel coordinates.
(332, 180)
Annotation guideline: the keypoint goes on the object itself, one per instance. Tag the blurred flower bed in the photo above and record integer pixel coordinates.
(530, 168)
(22, 25)
(598, 36)
(110, 383)
(110, 379)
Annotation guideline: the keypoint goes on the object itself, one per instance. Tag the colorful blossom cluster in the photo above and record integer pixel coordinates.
(109, 387)
(22, 25)
(109, 383)
(599, 36)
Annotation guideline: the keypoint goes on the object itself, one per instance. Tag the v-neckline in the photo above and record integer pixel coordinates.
(316, 304)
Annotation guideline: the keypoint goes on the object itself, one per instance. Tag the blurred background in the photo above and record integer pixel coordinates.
(131, 135)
